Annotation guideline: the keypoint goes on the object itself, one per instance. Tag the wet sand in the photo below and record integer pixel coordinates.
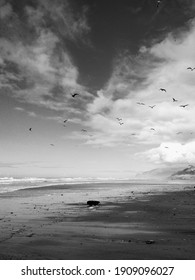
(47, 224)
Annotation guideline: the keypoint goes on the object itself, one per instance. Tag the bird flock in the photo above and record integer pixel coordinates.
(120, 120)
(153, 106)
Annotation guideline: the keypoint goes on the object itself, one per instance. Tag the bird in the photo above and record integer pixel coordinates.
(152, 106)
(52, 145)
(184, 105)
(133, 133)
(121, 123)
(163, 89)
(119, 119)
(74, 94)
(65, 121)
(30, 129)
(140, 103)
(166, 147)
(174, 100)
(158, 3)
(83, 130)
(190, 68)
(152, 128)
(179, 132)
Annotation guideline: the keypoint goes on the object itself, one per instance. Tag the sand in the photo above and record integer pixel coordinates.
(55, 223)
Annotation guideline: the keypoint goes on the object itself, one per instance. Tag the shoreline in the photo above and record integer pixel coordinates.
(62, 185)
(46, 227)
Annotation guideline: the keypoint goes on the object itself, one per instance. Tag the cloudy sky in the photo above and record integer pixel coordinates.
(116, 55)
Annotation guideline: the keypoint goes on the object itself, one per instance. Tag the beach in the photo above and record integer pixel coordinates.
(55, 223)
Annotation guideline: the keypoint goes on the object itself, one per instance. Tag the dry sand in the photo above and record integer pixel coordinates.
(47, 224)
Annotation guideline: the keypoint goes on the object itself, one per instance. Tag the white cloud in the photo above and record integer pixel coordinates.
(19, 109)
(163, 65)
(172, 152)
(100, 104)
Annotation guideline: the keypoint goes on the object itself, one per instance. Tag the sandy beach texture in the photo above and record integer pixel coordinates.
(55, 223)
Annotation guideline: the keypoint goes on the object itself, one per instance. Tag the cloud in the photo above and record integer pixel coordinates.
(37, 67)
(138, 79)
(30, 113)
(5, 10)
(172, 153)
(100, 104)
(59, 12)
(19, 109)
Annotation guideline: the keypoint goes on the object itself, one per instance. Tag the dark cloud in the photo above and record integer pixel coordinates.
(36, 65)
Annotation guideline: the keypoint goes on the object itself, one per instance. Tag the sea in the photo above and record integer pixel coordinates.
(11, 184)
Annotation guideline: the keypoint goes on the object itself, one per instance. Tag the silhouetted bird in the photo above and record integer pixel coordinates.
(174, 100)
(158, 3)
(152, 106)
(152, 128)
(163, 89)
(30, 129)
(52, 145)
(65, 121)
(119, 119)
(121, 123)
(166, 147)
(190, 68)
(83, 130)
(184, 105)
(74, 94)
(140, 103)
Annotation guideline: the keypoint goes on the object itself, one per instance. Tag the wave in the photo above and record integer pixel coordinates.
(10, 184)
(10, 180)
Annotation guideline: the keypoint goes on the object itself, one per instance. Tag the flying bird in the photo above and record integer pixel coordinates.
(121, 123)
(152, 106)
(190, 68)
(184, 105)
(174, 100)
(163, 89)
(83, 130)
(52, 145)
(74, 94)
(30, 129)
(119, 119)
(166, 147)
(140, 103)
(65, 121)
(152, 128)
(158, 3)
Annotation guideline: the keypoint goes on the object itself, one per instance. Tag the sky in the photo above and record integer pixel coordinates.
(117, 56)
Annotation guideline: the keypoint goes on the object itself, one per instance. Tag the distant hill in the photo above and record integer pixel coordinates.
(187, 173)
(169, 173)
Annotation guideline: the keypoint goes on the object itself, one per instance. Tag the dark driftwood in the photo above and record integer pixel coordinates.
(93, 202)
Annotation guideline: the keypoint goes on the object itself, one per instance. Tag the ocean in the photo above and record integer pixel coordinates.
(108, 186)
